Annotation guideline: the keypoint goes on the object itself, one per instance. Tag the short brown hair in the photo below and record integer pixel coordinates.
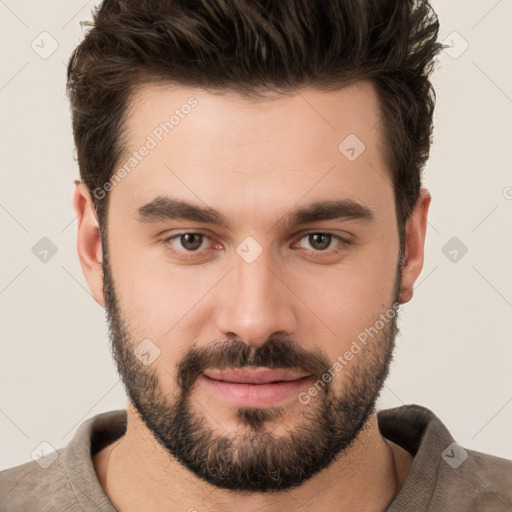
(252, 46)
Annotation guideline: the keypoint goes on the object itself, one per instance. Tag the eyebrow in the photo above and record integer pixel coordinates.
(168, 208)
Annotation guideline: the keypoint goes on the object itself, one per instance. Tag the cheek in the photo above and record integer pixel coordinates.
(158, 300)
(348, 299)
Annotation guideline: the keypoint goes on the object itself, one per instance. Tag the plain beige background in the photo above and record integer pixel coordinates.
(454, 354)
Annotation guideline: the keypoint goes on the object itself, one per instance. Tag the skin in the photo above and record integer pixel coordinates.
(252, 161)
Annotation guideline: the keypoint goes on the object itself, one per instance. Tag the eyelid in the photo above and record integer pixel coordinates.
(344, 241)
(345, 235)
(185, 254)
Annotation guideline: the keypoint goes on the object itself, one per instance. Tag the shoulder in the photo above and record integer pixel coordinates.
(444, 475)
(472, 481)
(64, 479)
(484, 477)
(31, 486)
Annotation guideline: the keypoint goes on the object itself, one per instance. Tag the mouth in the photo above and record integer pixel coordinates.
(254, 376)
(261, 387)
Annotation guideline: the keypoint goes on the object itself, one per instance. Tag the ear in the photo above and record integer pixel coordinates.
(89, 241)
(415, 230)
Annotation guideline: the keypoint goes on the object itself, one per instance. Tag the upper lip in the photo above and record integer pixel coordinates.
(254, 376)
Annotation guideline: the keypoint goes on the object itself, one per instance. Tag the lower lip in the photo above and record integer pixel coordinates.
(255, 395)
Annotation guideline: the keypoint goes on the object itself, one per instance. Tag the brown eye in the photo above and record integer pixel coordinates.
(191, 241)
(321, 245)
(319, 241)
(188, 245)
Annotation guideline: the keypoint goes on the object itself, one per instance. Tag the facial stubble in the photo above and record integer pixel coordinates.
(253, 458)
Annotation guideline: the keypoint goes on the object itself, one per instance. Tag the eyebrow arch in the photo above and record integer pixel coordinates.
(168, 208)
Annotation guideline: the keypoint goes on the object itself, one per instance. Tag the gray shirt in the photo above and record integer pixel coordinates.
(444, 477)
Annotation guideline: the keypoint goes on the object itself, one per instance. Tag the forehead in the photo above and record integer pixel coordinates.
(240, 153)
(226, 118)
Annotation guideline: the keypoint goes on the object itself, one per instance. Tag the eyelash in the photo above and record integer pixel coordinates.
(315, 254)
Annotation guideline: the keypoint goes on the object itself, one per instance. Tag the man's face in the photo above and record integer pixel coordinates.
(257, 290)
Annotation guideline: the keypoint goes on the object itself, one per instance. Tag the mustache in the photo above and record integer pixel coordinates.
(274, 354)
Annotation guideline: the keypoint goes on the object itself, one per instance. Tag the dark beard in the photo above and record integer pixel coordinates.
(255, 460)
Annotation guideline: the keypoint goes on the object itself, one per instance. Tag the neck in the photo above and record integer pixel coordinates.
(137, 472)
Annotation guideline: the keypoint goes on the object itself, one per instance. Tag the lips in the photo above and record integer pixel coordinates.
(254, 376)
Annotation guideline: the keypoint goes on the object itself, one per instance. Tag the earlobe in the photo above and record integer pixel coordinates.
(416, 228)
(89, 246)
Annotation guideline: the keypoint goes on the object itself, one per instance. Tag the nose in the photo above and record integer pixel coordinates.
(254, 303)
